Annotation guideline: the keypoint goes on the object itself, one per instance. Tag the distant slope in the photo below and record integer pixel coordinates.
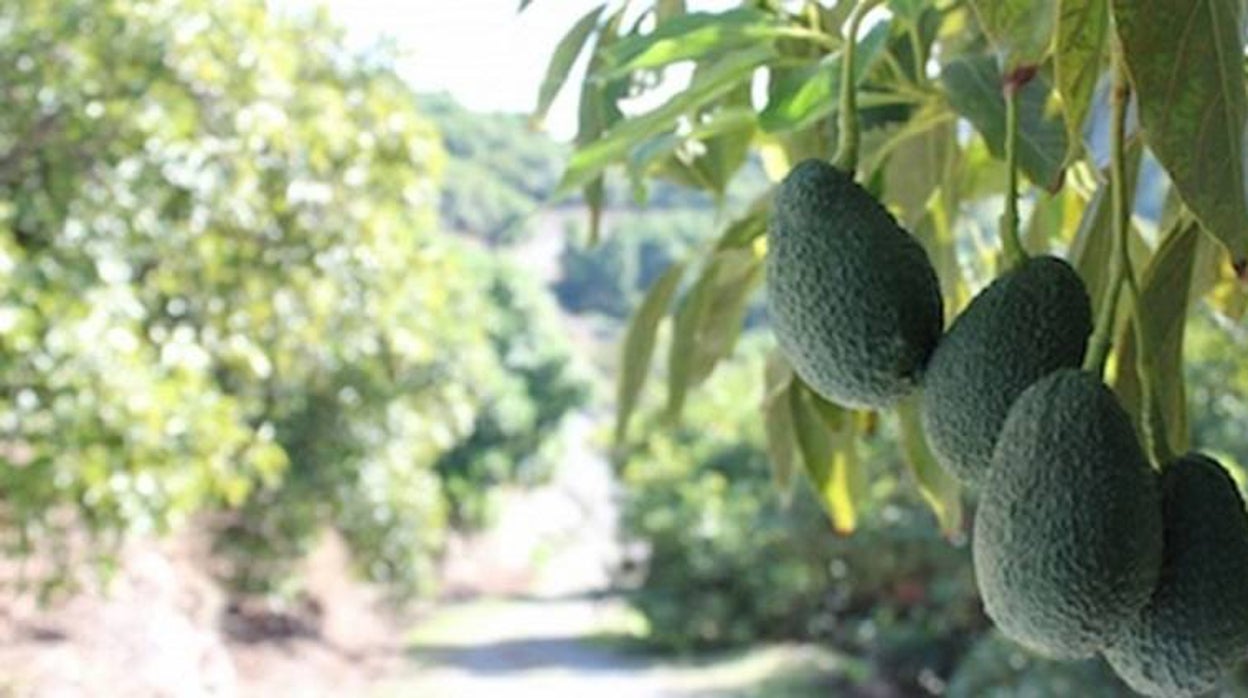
(497, 188)
(501, 172)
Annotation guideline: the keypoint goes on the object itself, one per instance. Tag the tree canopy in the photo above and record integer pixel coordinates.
(936, 107)
(222, 285)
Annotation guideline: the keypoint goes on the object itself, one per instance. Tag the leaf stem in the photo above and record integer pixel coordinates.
(846, 157)
(920, 56)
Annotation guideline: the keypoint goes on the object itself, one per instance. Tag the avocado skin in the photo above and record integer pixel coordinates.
(1068, 537)
(851, 296)
(1195, 627)
(1031, 321)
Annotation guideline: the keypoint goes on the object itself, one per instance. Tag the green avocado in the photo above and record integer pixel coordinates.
(1195, 627)
(1068, 536)
(1028, 323)
(852, 297)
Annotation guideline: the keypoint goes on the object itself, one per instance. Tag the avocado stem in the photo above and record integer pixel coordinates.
(1015, 253)
(846, 157)
(1102, 335)
(1152, 422)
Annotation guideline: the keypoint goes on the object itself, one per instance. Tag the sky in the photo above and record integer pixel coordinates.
(480, 51)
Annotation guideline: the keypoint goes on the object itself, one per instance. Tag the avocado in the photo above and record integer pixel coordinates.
(1031, 321)
(1195, 626)
(852, 297)
(1068, 535)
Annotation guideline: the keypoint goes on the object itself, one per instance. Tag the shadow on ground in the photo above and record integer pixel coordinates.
(529, 653)
(590, 645)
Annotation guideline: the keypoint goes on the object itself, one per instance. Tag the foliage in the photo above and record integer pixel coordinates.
(944, 92)
(1218, 379)
(996, 667)
(934, 85)
(221, 285)
(730, 562)
(522, 409)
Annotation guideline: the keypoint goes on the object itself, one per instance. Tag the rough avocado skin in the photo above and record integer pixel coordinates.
(1068, 535)
(1195, 627)
(852, 297)
(1028, 323)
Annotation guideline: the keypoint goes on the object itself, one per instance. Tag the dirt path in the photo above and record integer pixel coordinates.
(555, 631)
(534, 578)
(579, 648)
(539, 647)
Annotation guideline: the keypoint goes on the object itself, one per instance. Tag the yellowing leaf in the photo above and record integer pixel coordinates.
(826, 440)
(939, 490)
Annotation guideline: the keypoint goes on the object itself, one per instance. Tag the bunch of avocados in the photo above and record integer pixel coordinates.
(1080, 546)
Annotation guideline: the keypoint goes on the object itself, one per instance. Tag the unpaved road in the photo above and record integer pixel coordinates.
(571, 647)
(556, 634)
(538, 647)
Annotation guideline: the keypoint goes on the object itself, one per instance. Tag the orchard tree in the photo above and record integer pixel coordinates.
(1086, 157)
(222, 286)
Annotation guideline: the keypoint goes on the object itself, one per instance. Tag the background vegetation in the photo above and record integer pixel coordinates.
(248, 277)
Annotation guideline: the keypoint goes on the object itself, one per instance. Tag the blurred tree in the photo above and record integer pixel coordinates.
(542, 383)
(221, 283)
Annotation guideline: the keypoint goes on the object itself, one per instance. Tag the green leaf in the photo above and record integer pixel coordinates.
(719, 146)
(524, 5)
(1164, 298)
(1044, 225)
(566, 51)
(941, 491)
(638, 346)
(1082, 26)
(1093, 245)
(918, 157)
(1216, 280)
(1185, 59)
(749, 227)
(709, 320)
(803, 97)
(828, 454)
(694, 36)
(936, 232)
(1021, 29)
(598, 110)
(593, 157)
(974, 89)
(778, 421)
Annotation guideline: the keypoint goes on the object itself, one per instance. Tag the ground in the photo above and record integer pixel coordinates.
(528, 612)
